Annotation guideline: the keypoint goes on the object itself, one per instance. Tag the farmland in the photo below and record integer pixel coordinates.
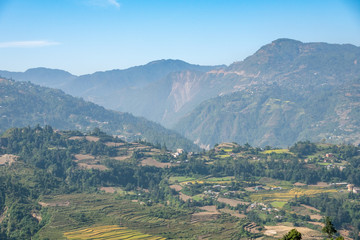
(108, 232)
(102, 187)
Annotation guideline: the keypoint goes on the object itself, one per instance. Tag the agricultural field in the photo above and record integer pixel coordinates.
(286, 195)
(108, 232)
(96, 187)
(73, 214)
(7, 158)
(278, 151)
(280, 230)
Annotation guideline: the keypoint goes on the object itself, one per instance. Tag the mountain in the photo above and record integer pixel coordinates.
(172, 92)
(111, 89)
(277, 115)
(24, 104)
(288, 63)
(286, 92)
(53, 78)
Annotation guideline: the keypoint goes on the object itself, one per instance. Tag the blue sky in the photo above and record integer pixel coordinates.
(84, 36)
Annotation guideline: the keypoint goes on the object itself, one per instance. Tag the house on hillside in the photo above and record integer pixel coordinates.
(352, 188)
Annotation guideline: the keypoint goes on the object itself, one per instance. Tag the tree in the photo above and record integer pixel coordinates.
(292, 235)
(329, 228)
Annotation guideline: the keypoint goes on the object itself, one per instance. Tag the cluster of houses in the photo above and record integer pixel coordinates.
(178, 152)
(352, 188)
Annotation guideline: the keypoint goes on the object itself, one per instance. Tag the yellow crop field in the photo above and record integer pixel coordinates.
(108, 232)
(276, 151)
(284, 196)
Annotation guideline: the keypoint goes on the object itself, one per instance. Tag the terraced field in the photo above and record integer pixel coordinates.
(279, 151)
(287, 195)
(109, 232)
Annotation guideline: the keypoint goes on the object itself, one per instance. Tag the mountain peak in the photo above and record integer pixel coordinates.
(285, 41)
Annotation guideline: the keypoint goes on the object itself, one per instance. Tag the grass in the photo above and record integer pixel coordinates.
(198, 197)
(108, 232)
(277, 204)
(323, 163)
(220, 179)
(180, 179)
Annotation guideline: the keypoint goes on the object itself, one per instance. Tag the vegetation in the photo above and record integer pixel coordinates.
(292, 235)
(26, 104)
(65, 182)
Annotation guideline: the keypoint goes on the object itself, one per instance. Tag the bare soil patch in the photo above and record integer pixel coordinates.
(76, 138)
(318, 223)
(176, 187)
(114, 144)
(316, 217)
(345, 234)
(250, 189)
(153, 162)
(210, 208)
(7, 158)
(281, 230)
(233, 213)
(37, 216)
(310, 207)
(184, 197)
(79, 157)
(232, 202)
(108, 189)
(321, 184)
(92, 138)
(210, 213)
(121, 158)
(226, 145)
(299, 184)
(55, 204)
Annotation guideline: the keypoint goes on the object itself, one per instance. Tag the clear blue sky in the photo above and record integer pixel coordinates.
(84, 36)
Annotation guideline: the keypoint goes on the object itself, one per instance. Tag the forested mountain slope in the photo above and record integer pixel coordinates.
(277, 115)
(23, 104)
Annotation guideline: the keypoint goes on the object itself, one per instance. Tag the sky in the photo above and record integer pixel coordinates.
(85, 36)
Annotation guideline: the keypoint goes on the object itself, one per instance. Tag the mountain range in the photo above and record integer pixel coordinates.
(27, 104)
(285, 92)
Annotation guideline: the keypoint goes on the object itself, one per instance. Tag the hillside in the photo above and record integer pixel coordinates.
(287, 91)
(115, 89)
(288, 63)
(67, 185)
(272, 114)
(26, 104)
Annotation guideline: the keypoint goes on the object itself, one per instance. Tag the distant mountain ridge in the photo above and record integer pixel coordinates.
(171, 92)
(26, 104)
